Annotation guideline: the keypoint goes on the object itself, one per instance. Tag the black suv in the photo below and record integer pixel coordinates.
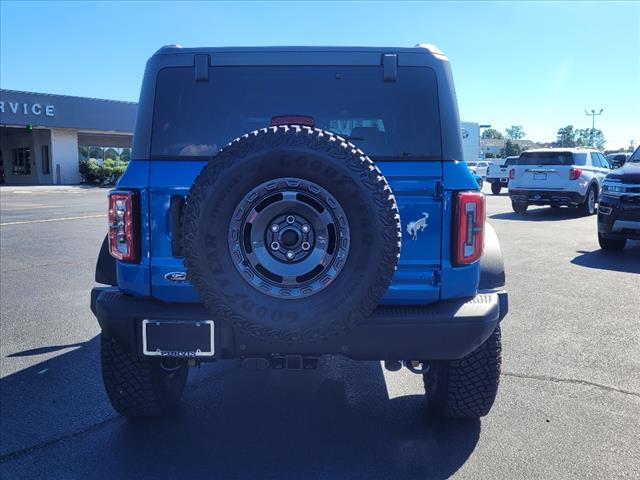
(619, 205)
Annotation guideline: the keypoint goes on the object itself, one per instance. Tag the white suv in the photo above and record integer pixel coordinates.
(556, 177)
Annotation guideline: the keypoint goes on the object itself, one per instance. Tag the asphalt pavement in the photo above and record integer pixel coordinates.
(568, 405)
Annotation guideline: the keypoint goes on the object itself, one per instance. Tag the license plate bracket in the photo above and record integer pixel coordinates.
(539, 176)
(172, 338)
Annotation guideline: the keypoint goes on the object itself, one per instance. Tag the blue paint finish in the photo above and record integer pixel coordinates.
(424, 274)
(457, 176)
(169, 178)
(414, 186)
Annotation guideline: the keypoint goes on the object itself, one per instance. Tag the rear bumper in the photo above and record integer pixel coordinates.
(445, 330)
(501, 180)
(545, 197)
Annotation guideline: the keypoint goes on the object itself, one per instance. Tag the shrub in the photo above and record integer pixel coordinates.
(90, 170)
(106, 173)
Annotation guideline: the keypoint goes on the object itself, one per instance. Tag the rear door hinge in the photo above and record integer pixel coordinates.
(438, 190)
(437, 277)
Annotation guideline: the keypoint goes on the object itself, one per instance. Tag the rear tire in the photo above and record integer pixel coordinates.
(140, 386)
(465, 388)
(495, 188)
(588, 207)
(519, 207)
(612, 244)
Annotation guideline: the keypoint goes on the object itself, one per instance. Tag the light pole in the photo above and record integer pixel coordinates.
(593, 114)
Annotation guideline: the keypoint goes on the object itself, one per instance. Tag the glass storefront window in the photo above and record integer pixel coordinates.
(22, 161)
(100, 154)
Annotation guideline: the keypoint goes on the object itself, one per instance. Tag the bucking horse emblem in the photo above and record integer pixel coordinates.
(417, 226)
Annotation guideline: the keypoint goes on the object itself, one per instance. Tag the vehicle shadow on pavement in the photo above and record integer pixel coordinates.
(52, 399)
(337, 422)
(541, 214)
(627, 261)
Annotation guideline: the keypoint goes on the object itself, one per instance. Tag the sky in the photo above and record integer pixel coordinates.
(535, 64)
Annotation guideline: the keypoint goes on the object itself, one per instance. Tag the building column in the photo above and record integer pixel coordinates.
(64, 156)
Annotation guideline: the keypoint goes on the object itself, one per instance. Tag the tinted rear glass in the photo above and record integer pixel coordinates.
(385, 119)
(511, 161)
(546, 158)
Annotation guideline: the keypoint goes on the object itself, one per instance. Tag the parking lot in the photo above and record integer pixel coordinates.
(568, 406)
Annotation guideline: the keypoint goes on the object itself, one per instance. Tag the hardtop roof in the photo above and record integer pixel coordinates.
(421, 48)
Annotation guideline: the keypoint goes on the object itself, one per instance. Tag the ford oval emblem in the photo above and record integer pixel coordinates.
(177, 277)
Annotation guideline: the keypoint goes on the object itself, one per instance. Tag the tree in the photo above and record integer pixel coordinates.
(566, 137)
(590, 137)
(515, 132)
(492, 133)
(96, 153)
(111, 153)
(125, 156)
(511, 149)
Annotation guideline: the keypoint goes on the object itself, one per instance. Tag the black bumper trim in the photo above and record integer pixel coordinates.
(543, 197)
(445, 330)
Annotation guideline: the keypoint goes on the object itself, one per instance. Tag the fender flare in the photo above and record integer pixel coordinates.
(491, 264)
(106, 265)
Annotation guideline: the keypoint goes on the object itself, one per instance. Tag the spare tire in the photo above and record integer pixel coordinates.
(292, 234)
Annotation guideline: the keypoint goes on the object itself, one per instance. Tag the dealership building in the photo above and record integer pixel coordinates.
(43, 137)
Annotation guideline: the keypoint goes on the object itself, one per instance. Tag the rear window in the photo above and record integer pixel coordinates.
(546, 158)
(386, 119)
(511, 161)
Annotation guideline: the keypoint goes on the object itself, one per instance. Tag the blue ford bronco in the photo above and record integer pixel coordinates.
(287, 203)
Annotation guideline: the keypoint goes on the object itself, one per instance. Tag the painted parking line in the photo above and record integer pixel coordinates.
(46, 220)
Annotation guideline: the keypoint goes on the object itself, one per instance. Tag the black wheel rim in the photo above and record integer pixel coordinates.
(289, 238)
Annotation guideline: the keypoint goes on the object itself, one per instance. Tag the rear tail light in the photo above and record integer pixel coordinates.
(574, 173)
(512, 173)
(469, 222)
(123, 226)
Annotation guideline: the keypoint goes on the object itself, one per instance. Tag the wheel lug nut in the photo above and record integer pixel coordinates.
(291, 219)
(306, 246)
(275, 246)
(290, 255)
(305, 228)
(275, 227)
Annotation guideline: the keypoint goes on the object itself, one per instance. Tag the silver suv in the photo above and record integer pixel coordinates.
(557, 177)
